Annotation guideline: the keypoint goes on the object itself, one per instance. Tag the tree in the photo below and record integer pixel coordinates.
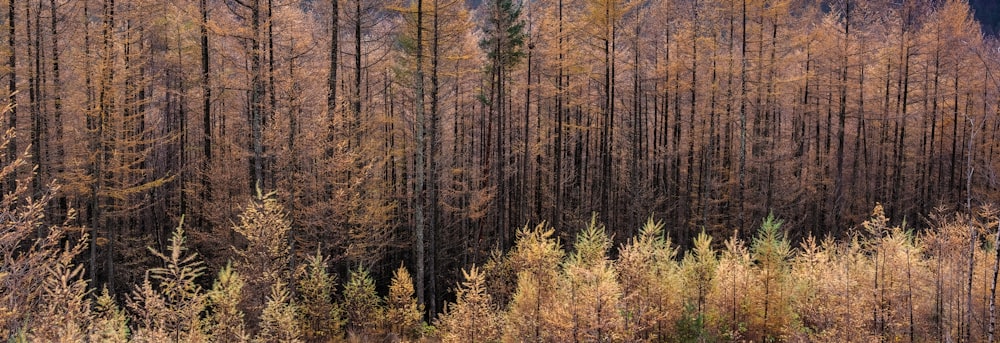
(535, 257)
(590, 289)
(771, 251)
(402, 313)
(362, 306)
(650, 278)
(699, 266)
(472, 317)
(172, 309)
(264, 257)
(278, 322)
(227, 324)
(318, 316)
(503, 43)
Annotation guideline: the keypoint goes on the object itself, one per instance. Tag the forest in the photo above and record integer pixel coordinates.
(499, 170)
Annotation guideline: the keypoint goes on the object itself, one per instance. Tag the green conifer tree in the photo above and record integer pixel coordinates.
(227, 324)
(590, 289)
(278, 320)
(362, 306)
(110, 324)
(319, 317)
(771, 251)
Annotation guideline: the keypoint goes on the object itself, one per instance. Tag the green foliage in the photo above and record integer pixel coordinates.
(473, 317)
(691, 326)
(590, 289)
(110, 323)
(883, 284)
(362, 305)
(226, 319)
(504, 33)
(771, 252)
(279, 320)
(699, 265)
(319, 318)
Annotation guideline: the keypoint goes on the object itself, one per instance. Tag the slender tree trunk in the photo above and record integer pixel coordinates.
(838, 188)
(331, 83)
(272, 107)
(432, 172)
(206, 89)
(352, 128)
(93, 142)
(557, 154)
(420, 167)
(993, 287)
(36, 77)
(106, 107)
(11, 182)
(256, 101)
(973, 239)
(741, 193)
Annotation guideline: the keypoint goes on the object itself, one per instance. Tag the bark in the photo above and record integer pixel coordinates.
(206, 89)
(11, 182)
(993, 288)
(331, 83)
(420, 167)
(432, 163)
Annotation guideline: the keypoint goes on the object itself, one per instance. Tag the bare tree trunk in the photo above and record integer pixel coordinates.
(256, 101)
(993, 287)
(972, 231)
(206, 89)
(331, 83)
(741, 192)
(432, 163)
(11, 182)
(420, 167)
(557, 154)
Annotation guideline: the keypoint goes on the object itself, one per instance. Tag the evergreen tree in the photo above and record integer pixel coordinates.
(362, 306)
(262, 256)
(174, 306)
(319, 317)
(279, 320)
(771, 251)
(472, 317)
(226, 319)
(402, 313)
(699, 266)
(533, 308)
(589, 289)
(110, 323)
(651, 282)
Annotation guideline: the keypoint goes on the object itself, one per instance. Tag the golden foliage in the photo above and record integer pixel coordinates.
(263, 260)
(403, 316)
(473, 317)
